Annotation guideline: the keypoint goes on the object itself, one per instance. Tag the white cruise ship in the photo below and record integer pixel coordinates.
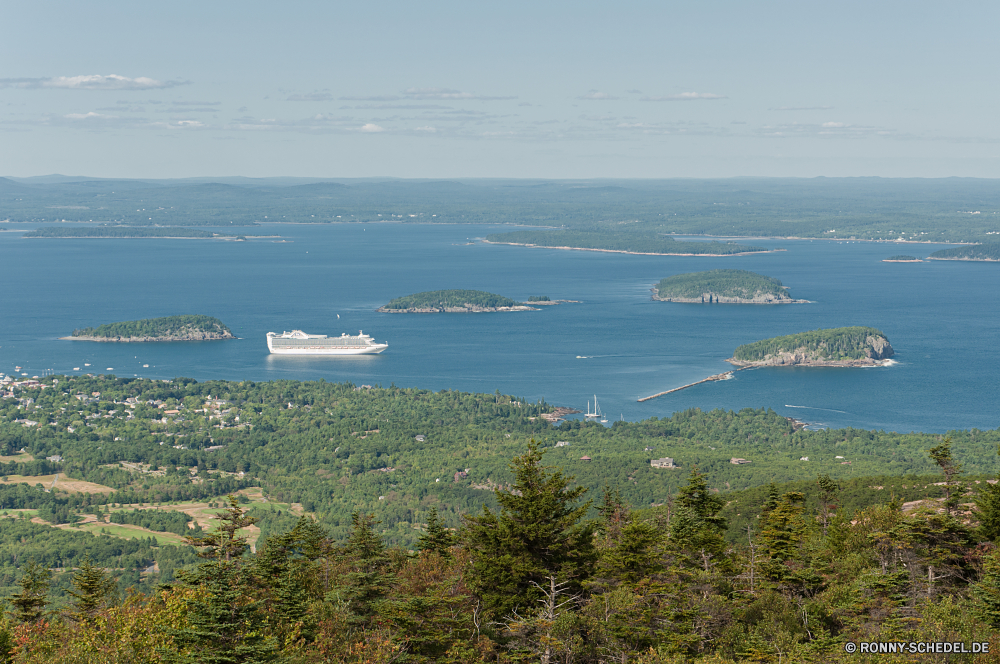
(298, 342)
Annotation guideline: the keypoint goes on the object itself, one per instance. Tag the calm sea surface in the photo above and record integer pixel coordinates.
(942, 318)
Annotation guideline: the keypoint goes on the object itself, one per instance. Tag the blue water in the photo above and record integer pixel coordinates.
(941, 317)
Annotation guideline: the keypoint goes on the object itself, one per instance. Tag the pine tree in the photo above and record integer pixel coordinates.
(367, 582)
(537, 534)
(771, 501)
(225, 620)
(282, 567)
(30, 602)
(828, 494)
(437, 538)
(225, 624)
(951, 469)
(988, 510)
(93, 588)
(987, 591)
(225, 544)
(696, 528)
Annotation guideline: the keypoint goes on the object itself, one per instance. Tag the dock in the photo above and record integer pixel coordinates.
(721, 376)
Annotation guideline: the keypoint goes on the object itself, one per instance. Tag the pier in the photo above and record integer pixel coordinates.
(721, 376)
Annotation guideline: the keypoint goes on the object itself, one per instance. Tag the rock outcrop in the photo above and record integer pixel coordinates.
(877, 351)
(714, 298)
(197, 335)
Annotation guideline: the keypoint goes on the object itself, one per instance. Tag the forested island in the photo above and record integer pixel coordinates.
(168, 328)
(837, 347)
(902, 259)
(619, 241)
(987, 251)
(724, 287)
(452, 301)
(484, 541)
(127, 232)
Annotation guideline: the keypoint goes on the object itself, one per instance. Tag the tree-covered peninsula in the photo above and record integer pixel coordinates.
(625, 242)
(987, 251)
(722, 286)
(168, 328)
(119, 232)
(451, 301)
(837, 347)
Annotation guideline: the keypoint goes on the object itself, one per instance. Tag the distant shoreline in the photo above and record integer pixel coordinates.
(634, 253)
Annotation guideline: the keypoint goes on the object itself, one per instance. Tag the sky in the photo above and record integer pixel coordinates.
(514, 89)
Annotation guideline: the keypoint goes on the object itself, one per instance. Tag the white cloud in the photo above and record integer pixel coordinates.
(597, 96)
(429, 130)
(371, 128)
(312, 96)
(440, 94)
(834, 125)
(685, 96)
(445, 93)
(801, 108)
(90, 82)
(89, 116)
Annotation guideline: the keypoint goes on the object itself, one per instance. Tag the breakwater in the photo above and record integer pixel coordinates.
(722, 376)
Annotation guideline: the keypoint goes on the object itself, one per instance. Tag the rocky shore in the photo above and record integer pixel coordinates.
(713, 298)
(878, 350)
(190, 336)
(468, 309)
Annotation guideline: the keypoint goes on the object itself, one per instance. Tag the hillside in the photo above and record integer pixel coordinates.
(842, 346)
(722, 286)
(452, 301)
(168, 328)
(987, 251)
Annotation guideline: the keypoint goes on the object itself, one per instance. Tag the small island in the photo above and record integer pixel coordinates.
(902, 259)
(452, 301)
(168, 328)
(622, 242)
(723, 287)
(837, 347)
(987, 252)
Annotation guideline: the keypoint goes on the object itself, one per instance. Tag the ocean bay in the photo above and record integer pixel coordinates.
(941, 317)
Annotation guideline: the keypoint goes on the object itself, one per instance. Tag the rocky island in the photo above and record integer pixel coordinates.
(837, 347)
(902, 259)
(987, 251)
(451, 302)
(168, 328)
(723, 287)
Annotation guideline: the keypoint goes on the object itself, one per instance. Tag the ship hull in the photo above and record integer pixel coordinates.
(371, 350)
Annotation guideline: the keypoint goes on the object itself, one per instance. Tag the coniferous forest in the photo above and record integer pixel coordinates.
(357, 524)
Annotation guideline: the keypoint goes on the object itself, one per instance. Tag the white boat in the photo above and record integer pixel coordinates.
(298, 342)
(597, 410)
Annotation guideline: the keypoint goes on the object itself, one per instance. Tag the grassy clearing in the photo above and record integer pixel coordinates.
(62, 483)
(126, 531)
(17, 458)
